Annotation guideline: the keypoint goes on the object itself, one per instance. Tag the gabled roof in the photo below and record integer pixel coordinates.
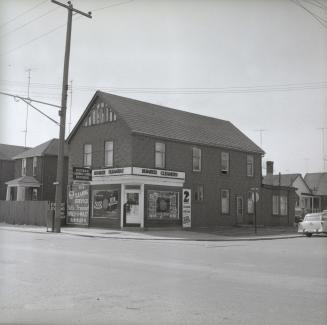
(317, 182)
(25, 181)
(49, 148)
(281, 180)
(7, 151)
(163, 122)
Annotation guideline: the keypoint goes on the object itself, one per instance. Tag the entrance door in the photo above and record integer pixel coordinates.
(132, 199)
(239, 209)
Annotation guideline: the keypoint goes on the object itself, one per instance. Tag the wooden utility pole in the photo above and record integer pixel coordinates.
(62, 113)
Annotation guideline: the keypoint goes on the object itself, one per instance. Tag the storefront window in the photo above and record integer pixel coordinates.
(105, 204)
(162, 205)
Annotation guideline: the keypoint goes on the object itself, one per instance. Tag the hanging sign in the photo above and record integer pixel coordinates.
(82, 174)
(186, 216)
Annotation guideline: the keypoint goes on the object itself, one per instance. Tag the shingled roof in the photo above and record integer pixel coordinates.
(163, 122)
(7, 151)
(280, 180)
(317, 182)
(49, 148)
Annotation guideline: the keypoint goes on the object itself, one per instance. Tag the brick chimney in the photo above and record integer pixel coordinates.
(270, 167)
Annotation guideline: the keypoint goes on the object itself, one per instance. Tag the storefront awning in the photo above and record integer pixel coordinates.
(24, 181)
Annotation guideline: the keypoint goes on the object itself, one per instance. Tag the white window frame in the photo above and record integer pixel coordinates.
(196, 159)
(224, 200)
(250, 165)
(24, 167)
(87, 156)
(108, 153)
(34, 166)
(160, 155)
(283, 205)
(224, 158)
(275, 205)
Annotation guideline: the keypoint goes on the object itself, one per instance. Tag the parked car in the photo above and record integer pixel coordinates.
(313, 223)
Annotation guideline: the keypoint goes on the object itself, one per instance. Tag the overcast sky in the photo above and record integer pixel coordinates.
(261, 64)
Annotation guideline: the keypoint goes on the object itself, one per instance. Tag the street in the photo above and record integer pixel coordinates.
(61, 279)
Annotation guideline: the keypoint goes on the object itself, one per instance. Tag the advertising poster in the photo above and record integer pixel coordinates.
(78, 204)
(162, 205)
(105, 204)
(186, 208)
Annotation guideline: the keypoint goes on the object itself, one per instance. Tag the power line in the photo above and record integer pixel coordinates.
(23, 13)
(28, 23)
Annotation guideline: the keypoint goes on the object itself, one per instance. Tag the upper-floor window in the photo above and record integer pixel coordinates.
(224, 194)
(224, 162)
(100, 113)
(198, 193)
(24, 167)
(34, 166)
(249, 165)
(109, 153)
(87, 155)
(196, 159)
(160, 153)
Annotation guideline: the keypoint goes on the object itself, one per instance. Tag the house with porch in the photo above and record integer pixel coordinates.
(7, 165)
(35, 172)
(317, 183)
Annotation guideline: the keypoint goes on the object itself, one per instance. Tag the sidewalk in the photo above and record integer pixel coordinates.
(221, 234)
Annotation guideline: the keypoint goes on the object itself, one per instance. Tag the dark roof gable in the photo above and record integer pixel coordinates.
(7, 151)
(158, 121)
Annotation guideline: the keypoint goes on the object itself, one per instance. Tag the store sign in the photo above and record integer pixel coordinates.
(186, 208)
(158, 173)
(78, 204)
(82, 174)
(112, 172)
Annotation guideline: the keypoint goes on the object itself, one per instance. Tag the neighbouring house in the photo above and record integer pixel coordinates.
(153, 165)
(7, 165)
(279, 197)
(317, 182)
(35, 173)
(304, 197)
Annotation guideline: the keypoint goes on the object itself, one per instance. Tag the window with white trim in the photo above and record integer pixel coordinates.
(196, 152)
(34, 166)
(249, 165)
(224, 163)
(160, 155)
(224, 194)
(24, 167)
(87, 155)
(275, 204)
(108, 153)
(283, 205)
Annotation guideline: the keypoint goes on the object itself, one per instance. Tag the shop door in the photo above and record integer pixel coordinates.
(239, 209)
(132, 199)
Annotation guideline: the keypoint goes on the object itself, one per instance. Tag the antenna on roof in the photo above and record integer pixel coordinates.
(28, 96)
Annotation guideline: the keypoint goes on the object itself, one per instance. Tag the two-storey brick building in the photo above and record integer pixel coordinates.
(35, 173)
(143, 155)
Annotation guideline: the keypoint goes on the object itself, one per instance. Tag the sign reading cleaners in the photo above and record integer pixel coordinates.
(186, 208)
(78, 204)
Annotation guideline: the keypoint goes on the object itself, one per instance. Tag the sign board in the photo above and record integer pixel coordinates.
(158, 173)
(62, 208)
(186, 215)
(82, 174)
(78, 199)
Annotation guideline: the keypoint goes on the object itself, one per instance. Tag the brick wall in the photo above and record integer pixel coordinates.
(179, 158)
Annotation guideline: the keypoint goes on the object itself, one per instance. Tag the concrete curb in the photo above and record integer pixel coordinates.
(123, 237)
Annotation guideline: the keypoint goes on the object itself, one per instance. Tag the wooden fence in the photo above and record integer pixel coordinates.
(24, 212)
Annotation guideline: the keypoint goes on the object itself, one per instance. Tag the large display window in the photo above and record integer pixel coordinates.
(162, 205)
(105, 204)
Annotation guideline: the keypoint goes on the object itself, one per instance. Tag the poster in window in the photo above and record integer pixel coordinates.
(186, 208)
(105, 204)
(162, 205)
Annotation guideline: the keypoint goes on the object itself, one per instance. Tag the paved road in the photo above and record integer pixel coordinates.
(62, 279)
